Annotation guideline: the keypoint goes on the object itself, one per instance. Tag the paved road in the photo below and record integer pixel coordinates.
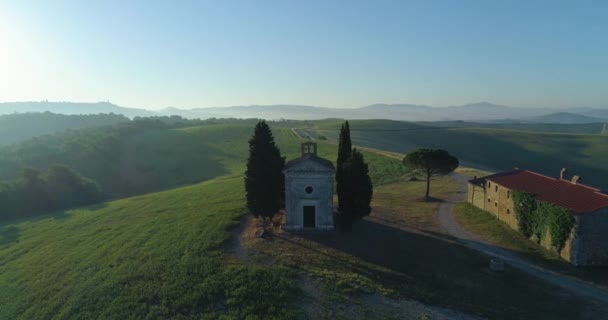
(448, 222)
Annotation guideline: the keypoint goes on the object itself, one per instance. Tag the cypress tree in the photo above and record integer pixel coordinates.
(264, 175)
(344, 153)
(358, 188)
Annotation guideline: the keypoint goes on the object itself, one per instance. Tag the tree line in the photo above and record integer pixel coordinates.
(22, 126)
(36, 192)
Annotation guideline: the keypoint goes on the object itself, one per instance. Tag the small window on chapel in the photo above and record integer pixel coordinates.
(489, 200)
(496, 204)
(508, 195)
(309, 189)
(496, 188)
(489, 184)
(508, 211)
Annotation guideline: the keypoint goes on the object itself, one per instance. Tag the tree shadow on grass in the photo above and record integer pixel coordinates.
(453, 274)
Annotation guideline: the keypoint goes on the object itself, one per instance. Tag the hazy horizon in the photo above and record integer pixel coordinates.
(313, 106)
(196, 54)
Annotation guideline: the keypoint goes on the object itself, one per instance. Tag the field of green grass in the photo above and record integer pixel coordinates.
(498, 233)
(156, 256)
(161, 255)
(487, 148)
(170, 254)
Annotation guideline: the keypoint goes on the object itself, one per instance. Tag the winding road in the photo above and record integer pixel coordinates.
(448, 222)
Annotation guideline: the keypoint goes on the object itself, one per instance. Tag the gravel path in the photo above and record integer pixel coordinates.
(448, 222)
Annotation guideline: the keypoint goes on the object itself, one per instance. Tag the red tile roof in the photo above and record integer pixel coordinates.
(577, 197)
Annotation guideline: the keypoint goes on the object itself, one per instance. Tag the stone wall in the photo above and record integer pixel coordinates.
(591, 239)
(494, 199)
(476, 196)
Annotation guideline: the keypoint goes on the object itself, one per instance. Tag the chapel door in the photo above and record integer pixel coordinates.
(309, 216)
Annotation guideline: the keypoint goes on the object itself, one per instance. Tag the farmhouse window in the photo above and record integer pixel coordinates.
(496, 188)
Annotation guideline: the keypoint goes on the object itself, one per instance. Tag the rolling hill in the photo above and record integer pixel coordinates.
(566, 118)
(22, 126)
(71, 108)
(490, 148)
(170, 254)
(144, 156)
(161, 255)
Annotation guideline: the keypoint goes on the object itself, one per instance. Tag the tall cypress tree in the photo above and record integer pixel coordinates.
(358, 187)
(264, 175)
(344, 152)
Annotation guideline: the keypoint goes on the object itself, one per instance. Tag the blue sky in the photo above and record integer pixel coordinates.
(153, 54)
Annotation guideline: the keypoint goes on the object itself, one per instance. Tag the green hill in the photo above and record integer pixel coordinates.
(22, 126)
(160, 255)
(156, 256)
(490, 148)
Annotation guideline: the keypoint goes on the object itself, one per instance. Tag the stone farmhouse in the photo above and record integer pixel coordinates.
(588, 241)
(309, 191)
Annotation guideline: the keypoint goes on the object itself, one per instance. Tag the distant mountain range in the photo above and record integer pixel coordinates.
(481, 112)
(71, 108)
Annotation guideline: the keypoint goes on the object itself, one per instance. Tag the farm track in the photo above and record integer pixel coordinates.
(446, 219)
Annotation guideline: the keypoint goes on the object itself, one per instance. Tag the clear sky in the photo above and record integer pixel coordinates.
(153, 54)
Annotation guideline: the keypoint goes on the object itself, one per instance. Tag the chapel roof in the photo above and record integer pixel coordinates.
(309, 158)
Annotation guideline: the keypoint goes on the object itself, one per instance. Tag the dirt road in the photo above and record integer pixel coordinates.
(448, 222)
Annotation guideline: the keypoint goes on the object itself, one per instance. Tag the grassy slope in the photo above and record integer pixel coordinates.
(489, 148)
(159, 255)
(496, 232)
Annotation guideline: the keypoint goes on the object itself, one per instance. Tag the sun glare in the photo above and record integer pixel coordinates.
(16, 69)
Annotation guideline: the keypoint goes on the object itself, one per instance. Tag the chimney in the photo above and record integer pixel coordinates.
(563, 174)
(576, 179)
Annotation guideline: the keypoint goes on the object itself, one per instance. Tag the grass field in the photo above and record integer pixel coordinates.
(155, 256)
(158, 256)
(492, 149)
(170, 255)
(498, 233)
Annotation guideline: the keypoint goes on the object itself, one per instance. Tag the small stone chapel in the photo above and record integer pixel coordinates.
(309, 191)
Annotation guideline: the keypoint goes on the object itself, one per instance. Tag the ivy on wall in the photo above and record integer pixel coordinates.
(525, 206)
(536, 217)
